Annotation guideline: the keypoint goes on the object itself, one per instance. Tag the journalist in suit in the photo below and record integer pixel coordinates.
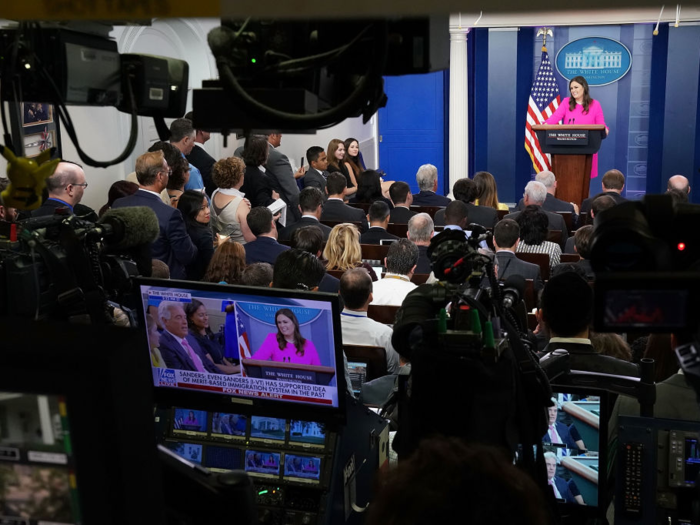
(427, 179)
(613, 183)
(173, 246)
(551, 203)
(311, 207)
(506, 236)
(378, 223)
(562, 485)
(335, 209)
(535, 194)
(265, 247)
(402, 198)
(179, 349)
(317, 174)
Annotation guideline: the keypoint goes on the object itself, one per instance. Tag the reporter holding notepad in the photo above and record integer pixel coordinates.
(580, 108)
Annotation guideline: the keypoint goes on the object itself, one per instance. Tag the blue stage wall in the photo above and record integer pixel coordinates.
(660, 92)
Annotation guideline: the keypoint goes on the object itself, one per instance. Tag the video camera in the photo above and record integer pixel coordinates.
(470, 371)
(63, 267)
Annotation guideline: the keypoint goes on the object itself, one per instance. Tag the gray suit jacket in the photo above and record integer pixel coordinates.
(314, 179)
(509, 264)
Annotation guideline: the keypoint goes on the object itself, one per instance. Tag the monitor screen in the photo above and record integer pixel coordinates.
(259, 343)
(191, 422)
(308, 433)
(229, 426)
(302, 468)
(223, 458)
(358, 375)
(36, 467)
(692, 460)
(267, 428)
(572, 447)
(260, 463)
(189, 451)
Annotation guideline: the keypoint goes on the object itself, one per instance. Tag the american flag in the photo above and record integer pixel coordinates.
(544, 99)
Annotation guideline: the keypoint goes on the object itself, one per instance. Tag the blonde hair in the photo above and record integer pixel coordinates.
(226, 173)
(343, 250)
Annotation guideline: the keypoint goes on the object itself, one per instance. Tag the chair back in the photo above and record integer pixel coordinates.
(571, 258)
(554, 236)
(430, 210)
(540, 259)
(382, 313)
(568, 219)
(374, 252)
(374, 356)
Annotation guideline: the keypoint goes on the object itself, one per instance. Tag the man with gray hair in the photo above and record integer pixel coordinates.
(65, 187)
(400, 262)
(678, 182)
(427, 179)
(536, 194)
(179, 349)
(420, 230)
(551, 203)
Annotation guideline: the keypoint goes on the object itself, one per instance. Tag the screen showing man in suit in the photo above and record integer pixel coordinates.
(286, 347)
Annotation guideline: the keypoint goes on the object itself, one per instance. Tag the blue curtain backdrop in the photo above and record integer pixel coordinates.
(653, 112)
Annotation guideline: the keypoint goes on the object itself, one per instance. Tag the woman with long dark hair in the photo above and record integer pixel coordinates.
(287, 345)
(209, 342)
(580, 108)
(194, 207)
(370, 189)
(534, 226)
(259, 187)
(121, 188)
(487, 191)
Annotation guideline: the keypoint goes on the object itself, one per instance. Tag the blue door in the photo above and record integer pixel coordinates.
(412, 127)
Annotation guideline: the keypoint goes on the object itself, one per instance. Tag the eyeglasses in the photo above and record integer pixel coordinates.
(169, 171)
(83, 184)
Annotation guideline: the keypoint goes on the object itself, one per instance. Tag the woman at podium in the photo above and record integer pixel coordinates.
(287, 345)
(580, 108)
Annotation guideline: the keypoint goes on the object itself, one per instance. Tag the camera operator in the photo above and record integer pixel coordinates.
(65, 188)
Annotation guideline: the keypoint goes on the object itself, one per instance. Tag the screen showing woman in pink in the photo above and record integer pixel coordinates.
(287, 345)
(580, 108)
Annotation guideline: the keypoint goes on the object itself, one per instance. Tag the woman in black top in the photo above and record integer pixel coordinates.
(370, 189)
(194, 207)
(337, 164)
(209, 342)
(258, 186)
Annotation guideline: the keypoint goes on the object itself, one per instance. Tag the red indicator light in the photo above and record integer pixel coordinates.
(681, 246)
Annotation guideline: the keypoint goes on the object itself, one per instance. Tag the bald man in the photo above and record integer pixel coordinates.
(678, 182)
(66, 187)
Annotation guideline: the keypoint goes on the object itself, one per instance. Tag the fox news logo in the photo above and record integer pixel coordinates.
(167, 377)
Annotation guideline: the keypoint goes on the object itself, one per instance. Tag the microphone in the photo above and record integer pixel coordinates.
(513, 290)
(129, 227)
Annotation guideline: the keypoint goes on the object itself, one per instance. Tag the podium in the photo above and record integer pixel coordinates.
(572, 148)
(315, 375)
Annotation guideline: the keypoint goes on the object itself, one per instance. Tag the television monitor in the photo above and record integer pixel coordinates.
(262, 463)
(190, 422)
(286, 343)
(267, 428)
(222, 458)
(574, 447)
(307, 433)
(190, 451)
(358, 375)
(302, 468)
(76, 404)
(229, 426)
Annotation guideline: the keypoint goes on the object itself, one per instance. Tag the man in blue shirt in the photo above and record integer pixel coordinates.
(182, 136)
(66, 187)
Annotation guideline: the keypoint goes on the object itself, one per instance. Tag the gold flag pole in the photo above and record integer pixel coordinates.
(544, 32)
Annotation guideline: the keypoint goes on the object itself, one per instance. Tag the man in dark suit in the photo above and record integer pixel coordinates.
(265, 247)
(402, 198)
(179, 349)
(465, 190)
(173, 245)
(536, 194)
(65, 188)
(560, 486)
(559, 433)
(551, 203)
(378, 223)
(427, 178)
(316, 175)
(420, 230)
(582, 246)
(310, 239)
(199, 157)
(335, 209)
(311, 207)
(613, 183)
(506, 237)
(566, 311)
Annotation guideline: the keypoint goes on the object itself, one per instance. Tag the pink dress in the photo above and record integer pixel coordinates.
(577, 116)
(270, 351)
